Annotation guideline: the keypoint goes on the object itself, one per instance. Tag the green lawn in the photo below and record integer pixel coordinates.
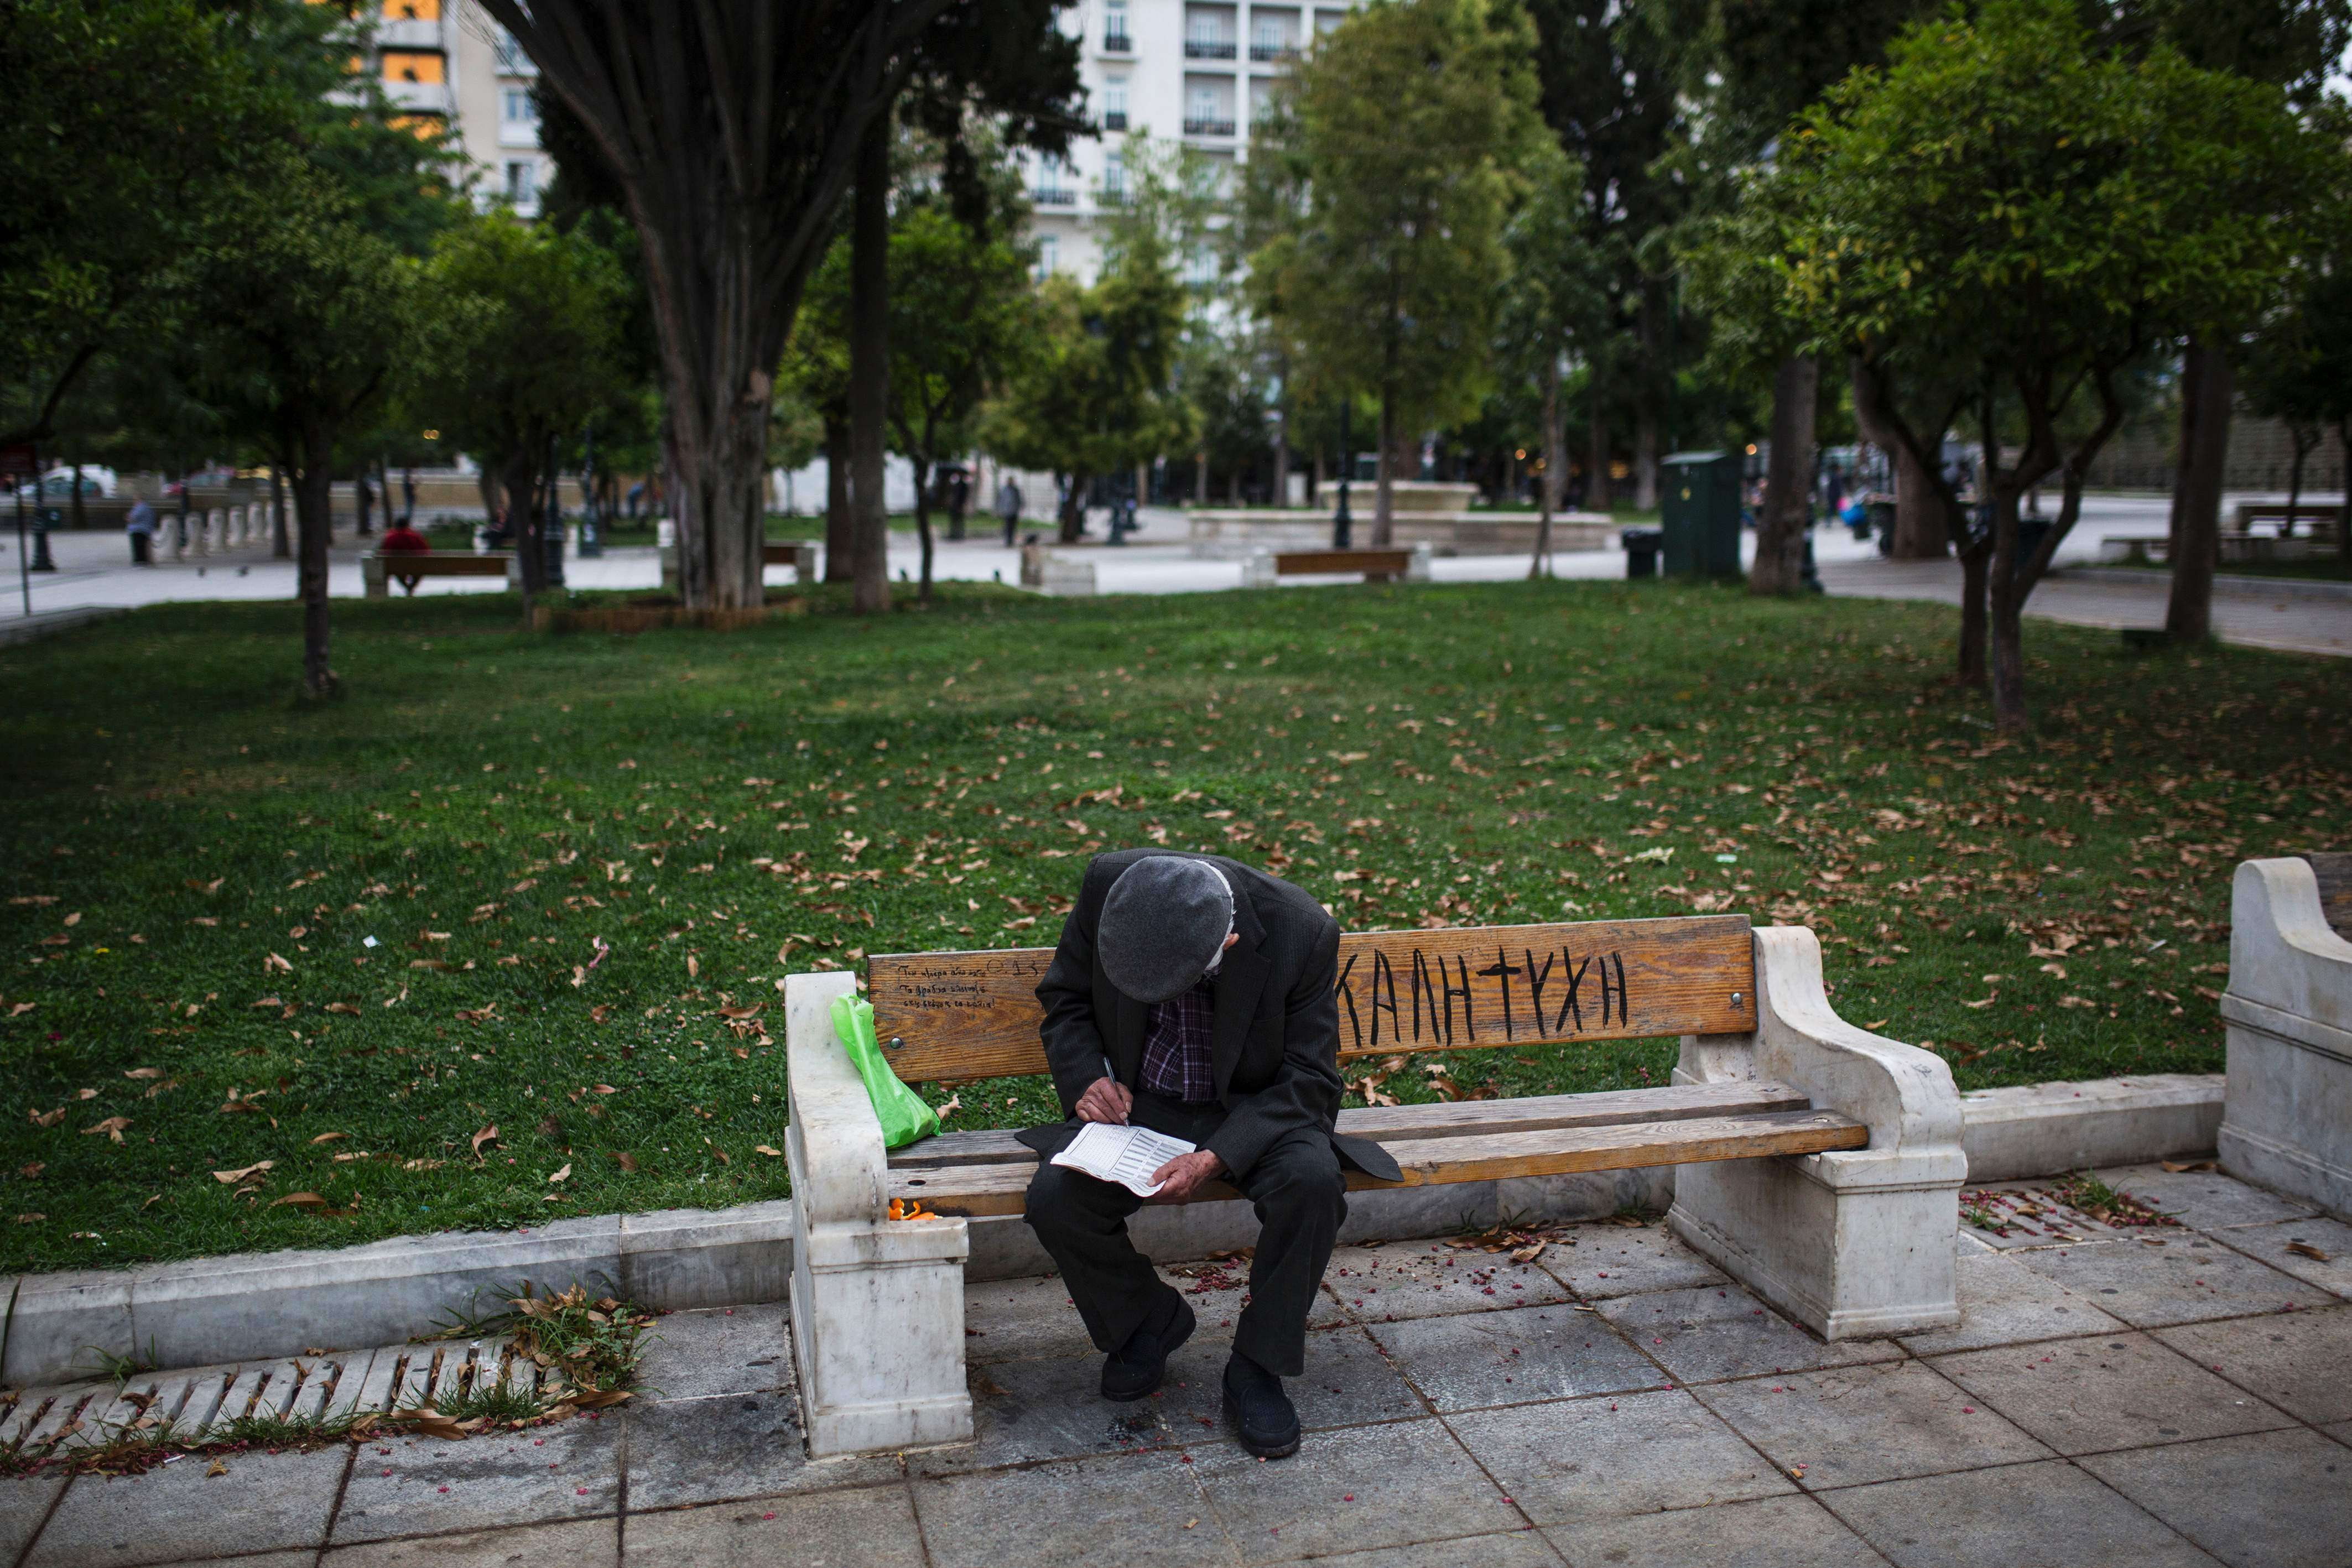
(571, 853)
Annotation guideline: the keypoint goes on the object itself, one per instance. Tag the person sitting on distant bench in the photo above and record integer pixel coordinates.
(402, 539)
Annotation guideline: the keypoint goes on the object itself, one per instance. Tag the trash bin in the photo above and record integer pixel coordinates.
(1642, 546)
(1701, 513)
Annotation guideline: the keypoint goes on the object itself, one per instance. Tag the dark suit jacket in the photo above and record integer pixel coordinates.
(1275, 1048)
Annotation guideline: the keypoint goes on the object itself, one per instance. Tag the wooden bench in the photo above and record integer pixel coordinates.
(2323, 517)
(798, 554)
(377, 570)
(1266, 567)
(2287, 1115)
(1820, 1164)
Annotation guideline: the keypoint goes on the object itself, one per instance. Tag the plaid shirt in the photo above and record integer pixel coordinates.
(1176, 1036)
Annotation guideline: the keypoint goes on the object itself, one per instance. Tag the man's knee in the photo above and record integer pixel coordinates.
(1300, 1176)
(1060, 1200)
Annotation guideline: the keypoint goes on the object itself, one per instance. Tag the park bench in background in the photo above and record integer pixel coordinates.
(2286, 1119)
(1820, 1163)
(798, 554)
(1266, 567)
(2323, 517)
(378, 569)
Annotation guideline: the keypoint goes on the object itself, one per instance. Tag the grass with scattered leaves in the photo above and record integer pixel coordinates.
(497, 937)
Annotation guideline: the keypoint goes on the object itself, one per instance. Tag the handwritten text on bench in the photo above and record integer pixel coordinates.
(1436, 997)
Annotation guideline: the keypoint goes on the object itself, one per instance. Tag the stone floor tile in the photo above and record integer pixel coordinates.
(2003, 1302)
(494, 1479)
(2117, 1391)
(304, 1557)
(2301, 1362)
(574, 1543)
(1701, 1335)
(871, 1527)
(1770, 1532)
(1411, 1481)
(1049, 1407)
(1424, 1279)
(2271, 1245)
(2341, 1431)
(2202, 1199)
(1850, 1425)
(24, 1503)
(1215, 1291)
(1625, 1259)
(2188, 1279)
(1471, 1360)
(2017, 1216)
(1347, 1383)
(267, 1502)
(1011, 1319)
(720, 1350)
(1128, 1509)
(1579, 1460)
(690, 1451)
(1523, 1548)
(2274, 1499)
(2048, 1515)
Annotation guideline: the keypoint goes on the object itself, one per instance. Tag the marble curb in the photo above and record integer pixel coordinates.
(47, 623)
(204, 1311)
(2240, 584)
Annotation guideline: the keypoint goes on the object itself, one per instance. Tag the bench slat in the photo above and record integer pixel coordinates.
(1427, 1162)
(1680, 1101)
(950, 1017)
(445, 565)
(1336, 562)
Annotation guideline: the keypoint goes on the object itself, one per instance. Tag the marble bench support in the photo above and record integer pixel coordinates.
(1853, 1243)
(878, 1303)
(2286, 1119)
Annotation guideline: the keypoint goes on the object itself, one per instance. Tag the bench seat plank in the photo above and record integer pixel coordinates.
(1680, 1101)
(974, 1190)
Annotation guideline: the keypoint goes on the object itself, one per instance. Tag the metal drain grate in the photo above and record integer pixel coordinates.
(193, 1406)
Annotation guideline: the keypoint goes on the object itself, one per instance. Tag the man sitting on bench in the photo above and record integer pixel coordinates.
(402, 539)
(1193, 995)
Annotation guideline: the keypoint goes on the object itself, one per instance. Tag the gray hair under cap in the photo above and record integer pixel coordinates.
(1163, 926)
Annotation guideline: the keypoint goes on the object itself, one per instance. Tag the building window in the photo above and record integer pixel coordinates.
(1116, 39)
(1114, 183)
(516, 105)
(1115, 104)
(522, 183)
(1049, 255)
(412, 66)
(510, 54)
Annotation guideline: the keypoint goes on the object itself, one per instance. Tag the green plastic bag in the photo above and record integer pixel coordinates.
(905, 1118)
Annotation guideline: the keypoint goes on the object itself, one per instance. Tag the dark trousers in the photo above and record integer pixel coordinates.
(1300, 1199)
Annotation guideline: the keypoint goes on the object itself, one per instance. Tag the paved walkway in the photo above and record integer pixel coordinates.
(94, 572)
(2143, 1399)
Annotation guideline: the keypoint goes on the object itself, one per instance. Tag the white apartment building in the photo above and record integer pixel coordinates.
(445, 62)
(1198, 70)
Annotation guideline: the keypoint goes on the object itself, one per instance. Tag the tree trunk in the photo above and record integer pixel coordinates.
(1281, 457)
(2205, 386)
(1073, 519)
(1596, 462)
(1645, 459)
(2007, 604)
(281, 546)
(869, 369)
(1970, 668)
(1920, 530)
(720, 377)
(1788, 490)
(923, 522)
(82, 516)
(2287, 530)
(362, 499)
(314, 500)
(1315, 481)
(1554, 451)
(840, 525)
(1384, 493)
(519, 476)
(1201, 478)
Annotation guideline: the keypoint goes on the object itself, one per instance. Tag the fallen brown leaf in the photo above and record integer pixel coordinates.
(144, 1072)
(563, 1175)
(2305, 1250)
(771, 1154)
(329, 1138)
(300, 1201)
(230, 1178)
(45, 1118)
(488, 1135)
(113, 1127)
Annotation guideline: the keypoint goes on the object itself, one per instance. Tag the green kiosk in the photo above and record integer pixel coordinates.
(1700, 509)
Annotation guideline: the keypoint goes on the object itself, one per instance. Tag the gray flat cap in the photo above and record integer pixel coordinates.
(1162, 925)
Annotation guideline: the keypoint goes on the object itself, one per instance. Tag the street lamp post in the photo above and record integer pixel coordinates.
(591, 532)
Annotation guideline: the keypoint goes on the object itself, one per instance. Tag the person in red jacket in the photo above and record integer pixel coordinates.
(402, 539)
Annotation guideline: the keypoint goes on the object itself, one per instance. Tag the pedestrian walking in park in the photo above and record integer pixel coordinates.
(1192, 997)
(956, 487)
(1008, 506)
(402, 539)
(141, 529)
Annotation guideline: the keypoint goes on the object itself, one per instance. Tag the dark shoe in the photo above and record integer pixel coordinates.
(1268, 1419)
(1137, 1367)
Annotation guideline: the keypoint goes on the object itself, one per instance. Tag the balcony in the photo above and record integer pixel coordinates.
(1208, 126)
(1111, 196)
(419, 96)
(1118, 44)
(1054, 196)
(1263, 50)
(408, 33)
(1208, 48)
(1115, 120)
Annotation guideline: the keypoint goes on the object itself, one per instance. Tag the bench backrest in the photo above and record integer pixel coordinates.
(1342, 560)
(2335, 873)
(948, 1018)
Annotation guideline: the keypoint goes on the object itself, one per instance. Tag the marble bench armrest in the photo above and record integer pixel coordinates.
(833, 1140)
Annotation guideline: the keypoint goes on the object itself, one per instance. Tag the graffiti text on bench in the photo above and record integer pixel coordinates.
(1533, 999)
